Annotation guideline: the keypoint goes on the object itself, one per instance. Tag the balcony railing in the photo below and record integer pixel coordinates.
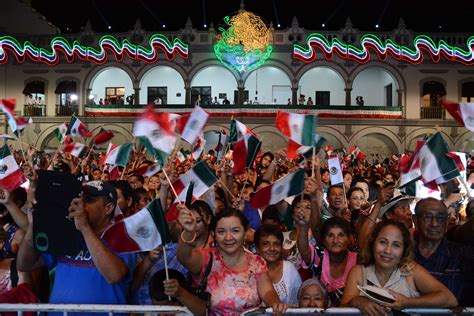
(34, 110)
(433, 112)
(65, 110)
(253, 110)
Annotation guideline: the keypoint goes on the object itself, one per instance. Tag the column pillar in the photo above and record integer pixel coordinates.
(348, 96)
(136, 97)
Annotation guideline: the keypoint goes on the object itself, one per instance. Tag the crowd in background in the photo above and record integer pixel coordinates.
(316, 249)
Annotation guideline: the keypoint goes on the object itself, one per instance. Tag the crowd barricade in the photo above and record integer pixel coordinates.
(94, 308)
(354, 311)
(178, 310)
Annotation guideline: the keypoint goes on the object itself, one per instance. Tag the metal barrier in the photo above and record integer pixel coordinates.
(354, 311)
(179, 310)
(94, 308)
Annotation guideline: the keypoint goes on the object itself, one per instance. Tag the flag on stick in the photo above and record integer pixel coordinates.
(143, 231)
(462, 112)
(290, 185)
(193, 124)
(245, 151)
(11, 176)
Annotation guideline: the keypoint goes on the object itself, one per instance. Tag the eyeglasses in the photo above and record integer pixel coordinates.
(440, 218)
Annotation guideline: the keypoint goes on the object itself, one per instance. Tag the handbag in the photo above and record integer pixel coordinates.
(200, 290)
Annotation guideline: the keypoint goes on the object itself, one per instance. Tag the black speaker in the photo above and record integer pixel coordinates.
(53, 232)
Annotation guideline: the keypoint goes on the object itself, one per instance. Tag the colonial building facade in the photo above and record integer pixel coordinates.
(382, 103)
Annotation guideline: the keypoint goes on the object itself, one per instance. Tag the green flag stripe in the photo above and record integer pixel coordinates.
(309, 126)
(297, 183)
(253, 146)
(123, 154)
(159, 155)
(204, 173)
(233, 131)
(446, 166)
(156, 212)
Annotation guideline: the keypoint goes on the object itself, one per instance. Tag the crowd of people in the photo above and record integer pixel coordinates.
(318, 249)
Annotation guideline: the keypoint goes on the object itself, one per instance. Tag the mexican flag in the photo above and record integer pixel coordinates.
(295, 149)
(435, 165)
(238, 130)
(103, 136)
(11, 176)
(203, 179)
(193, 124)
(298, 127)
(60, 131)
(221, 146)
(76, 149)
(160, 156)
(8, 107)
(462, 112)
(147, 170)
(119, 155)
(198, 147)
(409, 166)
(245, 151)
(157, 128)
(22, 123)
(335, 170)
(76, 128)
(143, 231)
(290, 185)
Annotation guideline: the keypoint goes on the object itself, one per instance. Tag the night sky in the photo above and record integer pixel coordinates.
(419, 16)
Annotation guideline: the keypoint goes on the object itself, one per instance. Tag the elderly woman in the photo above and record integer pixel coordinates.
(333, 264)
(237, 280)
(387, 264)
(313, 294)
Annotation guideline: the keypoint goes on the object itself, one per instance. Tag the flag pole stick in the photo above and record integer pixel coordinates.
(225, 187)
(171, 186)
(465, 186)
(243, 188)
(165, 259)
(314, 158)
(21, 148)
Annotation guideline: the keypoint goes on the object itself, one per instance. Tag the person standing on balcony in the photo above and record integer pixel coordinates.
(226, 101)
(101, 101)
(301, 99)
(216, 101)
(310, 101)
(198, 100)
(158, 101)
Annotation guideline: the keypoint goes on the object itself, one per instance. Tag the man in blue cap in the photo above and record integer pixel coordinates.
(96, 274)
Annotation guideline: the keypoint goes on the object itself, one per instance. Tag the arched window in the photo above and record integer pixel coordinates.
(467, 92)
(433, 92)
(67, 97)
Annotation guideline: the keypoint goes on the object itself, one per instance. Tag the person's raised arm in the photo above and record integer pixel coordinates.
(195, 305)
(369, 222)
(313, 189)
(186, 253)
(28, 259)
(109, 265)
(433, 292)
(143, 267)
(18, 216)
(302, 220)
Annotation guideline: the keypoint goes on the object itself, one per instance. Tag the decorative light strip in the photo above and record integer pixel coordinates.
(399, 52)
(91, 54)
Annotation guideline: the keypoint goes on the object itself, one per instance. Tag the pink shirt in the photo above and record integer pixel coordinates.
(232, 292)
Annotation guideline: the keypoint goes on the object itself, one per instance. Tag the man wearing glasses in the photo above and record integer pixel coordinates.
(451, 263)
